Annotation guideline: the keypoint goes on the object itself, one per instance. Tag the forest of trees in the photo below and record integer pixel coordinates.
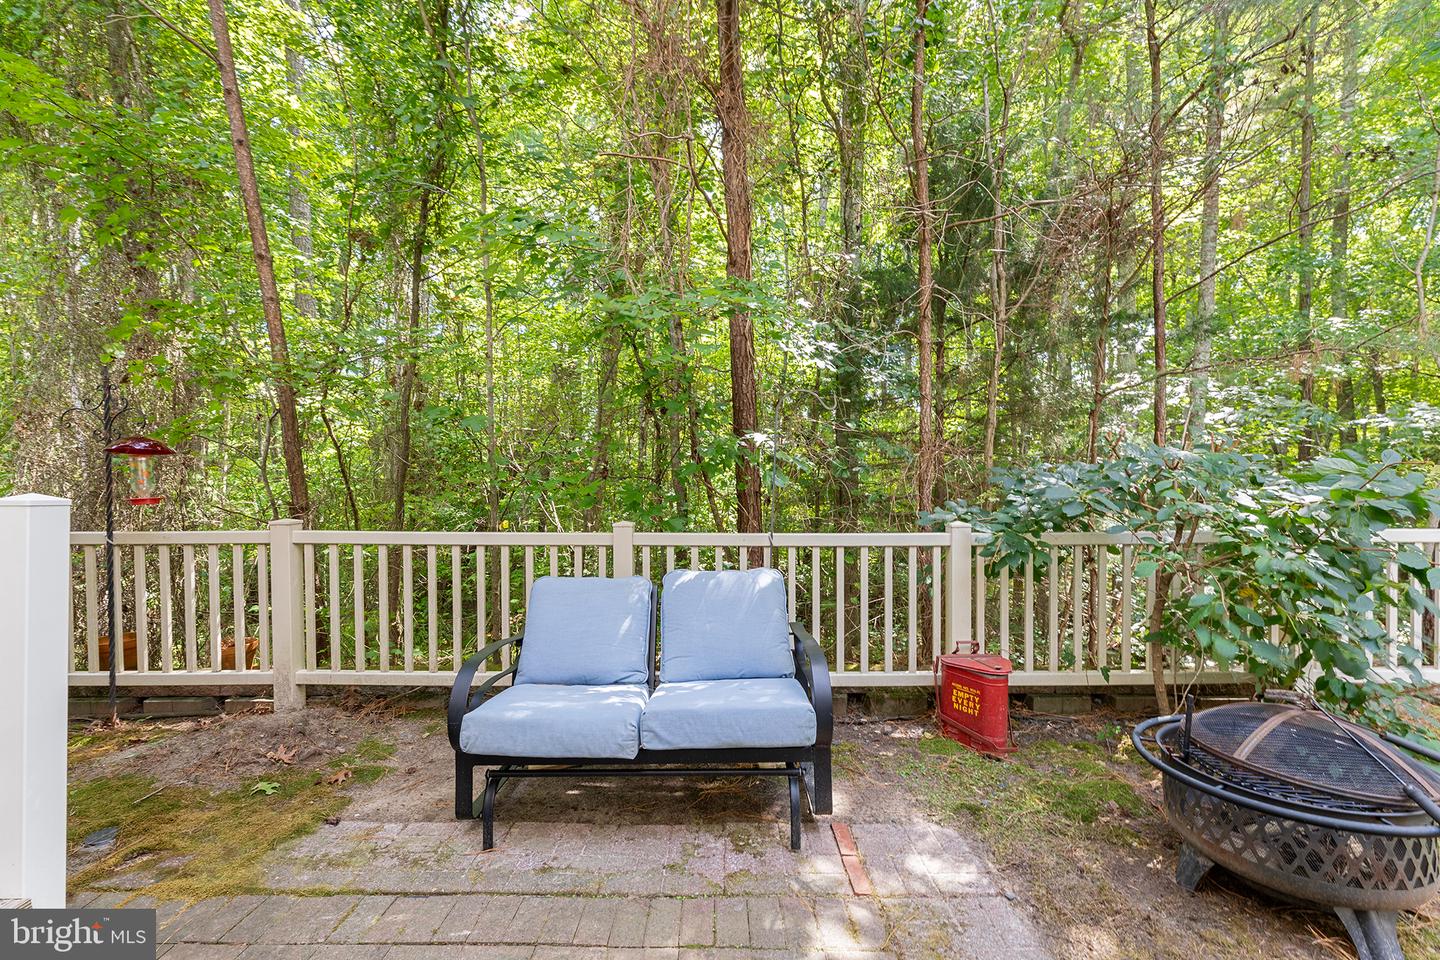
(442, 264)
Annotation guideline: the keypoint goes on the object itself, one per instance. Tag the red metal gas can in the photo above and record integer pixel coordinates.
(972, 700)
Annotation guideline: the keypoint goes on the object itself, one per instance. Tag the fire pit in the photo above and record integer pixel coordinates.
(1303, 804)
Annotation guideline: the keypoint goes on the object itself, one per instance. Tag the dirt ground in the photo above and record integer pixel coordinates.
(1073, 821)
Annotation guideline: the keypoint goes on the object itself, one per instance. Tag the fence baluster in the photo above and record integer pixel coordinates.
(937, 606)
(1029, 614)
(357, 595)
(382, 597)
(432, 614)
(457, 617)
(332, 567)
(1077, 587)
(504, 587)
(407, 607)
(840, 609)
(262, 593)
(212, 582)
(982, 590)
(312, 641)
(889, 609)
(1102, 606)
(1052, 598)
(142, 610)
(167, 622)
(912, 628)
(790, 578)
(92, 613)
(117, 639)
(187, 563)
(1002, 613)
(864, 575)
(238, 596)
(1127, 627)
(482, 633)
(815, 592)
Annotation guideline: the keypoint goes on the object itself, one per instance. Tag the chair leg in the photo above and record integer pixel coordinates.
(794, 810)
(464, 787)
(817, 781)
(487, 811)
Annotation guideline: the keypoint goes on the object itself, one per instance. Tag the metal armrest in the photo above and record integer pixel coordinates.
(813, 672)
(462, 698)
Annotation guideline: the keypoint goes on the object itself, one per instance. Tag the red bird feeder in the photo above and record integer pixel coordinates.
(140, 451)
(972, 700)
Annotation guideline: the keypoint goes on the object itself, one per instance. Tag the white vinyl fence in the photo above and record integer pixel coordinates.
(293, 608)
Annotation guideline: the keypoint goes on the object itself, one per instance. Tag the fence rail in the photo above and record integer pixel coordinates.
(294, 608)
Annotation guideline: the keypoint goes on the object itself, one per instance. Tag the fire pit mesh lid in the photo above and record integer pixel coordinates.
(1305, 747)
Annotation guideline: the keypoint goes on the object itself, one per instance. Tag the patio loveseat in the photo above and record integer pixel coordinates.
(738, 692)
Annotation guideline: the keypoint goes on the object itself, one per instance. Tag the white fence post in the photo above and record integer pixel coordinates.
(623, 564)
(285, 635)
(34, 687)
(961, 632)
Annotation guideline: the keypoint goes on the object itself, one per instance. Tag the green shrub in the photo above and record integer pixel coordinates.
(1252, 550)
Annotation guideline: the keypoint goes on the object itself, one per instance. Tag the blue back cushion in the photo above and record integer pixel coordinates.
(724, 625)
(587, 630)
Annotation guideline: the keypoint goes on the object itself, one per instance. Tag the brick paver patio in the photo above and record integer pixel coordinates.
(362, 890)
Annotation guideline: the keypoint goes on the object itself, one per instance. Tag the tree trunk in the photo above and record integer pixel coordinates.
(734, 120)
(1340, 222)
(850, 147)
(1155, 653)
(264, 265)
(1209, 228)
(409, 364)
(925, 473)
(1306, 278)
(1157, 224)
(604, 418)
(999, 273)
(472, 112)
(1103, 258)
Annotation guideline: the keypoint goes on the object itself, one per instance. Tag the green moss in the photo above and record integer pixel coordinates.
(212, 844)
(1050, 787)
(372, 749)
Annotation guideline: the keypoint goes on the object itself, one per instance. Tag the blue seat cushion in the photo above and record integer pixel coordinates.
(719, 714)
(587, 630)
(724, 625)
(550, 720)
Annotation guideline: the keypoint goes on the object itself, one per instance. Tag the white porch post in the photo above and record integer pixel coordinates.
(34, 686)
(623, 564)
(960, 633)
(285, 637)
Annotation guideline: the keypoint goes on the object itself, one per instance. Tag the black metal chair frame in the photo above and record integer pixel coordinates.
(807, 769)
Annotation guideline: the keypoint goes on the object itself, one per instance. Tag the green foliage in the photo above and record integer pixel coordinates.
(572, 344)
(1276, 573)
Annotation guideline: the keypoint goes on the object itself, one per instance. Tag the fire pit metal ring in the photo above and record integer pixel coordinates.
(1365, 860)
